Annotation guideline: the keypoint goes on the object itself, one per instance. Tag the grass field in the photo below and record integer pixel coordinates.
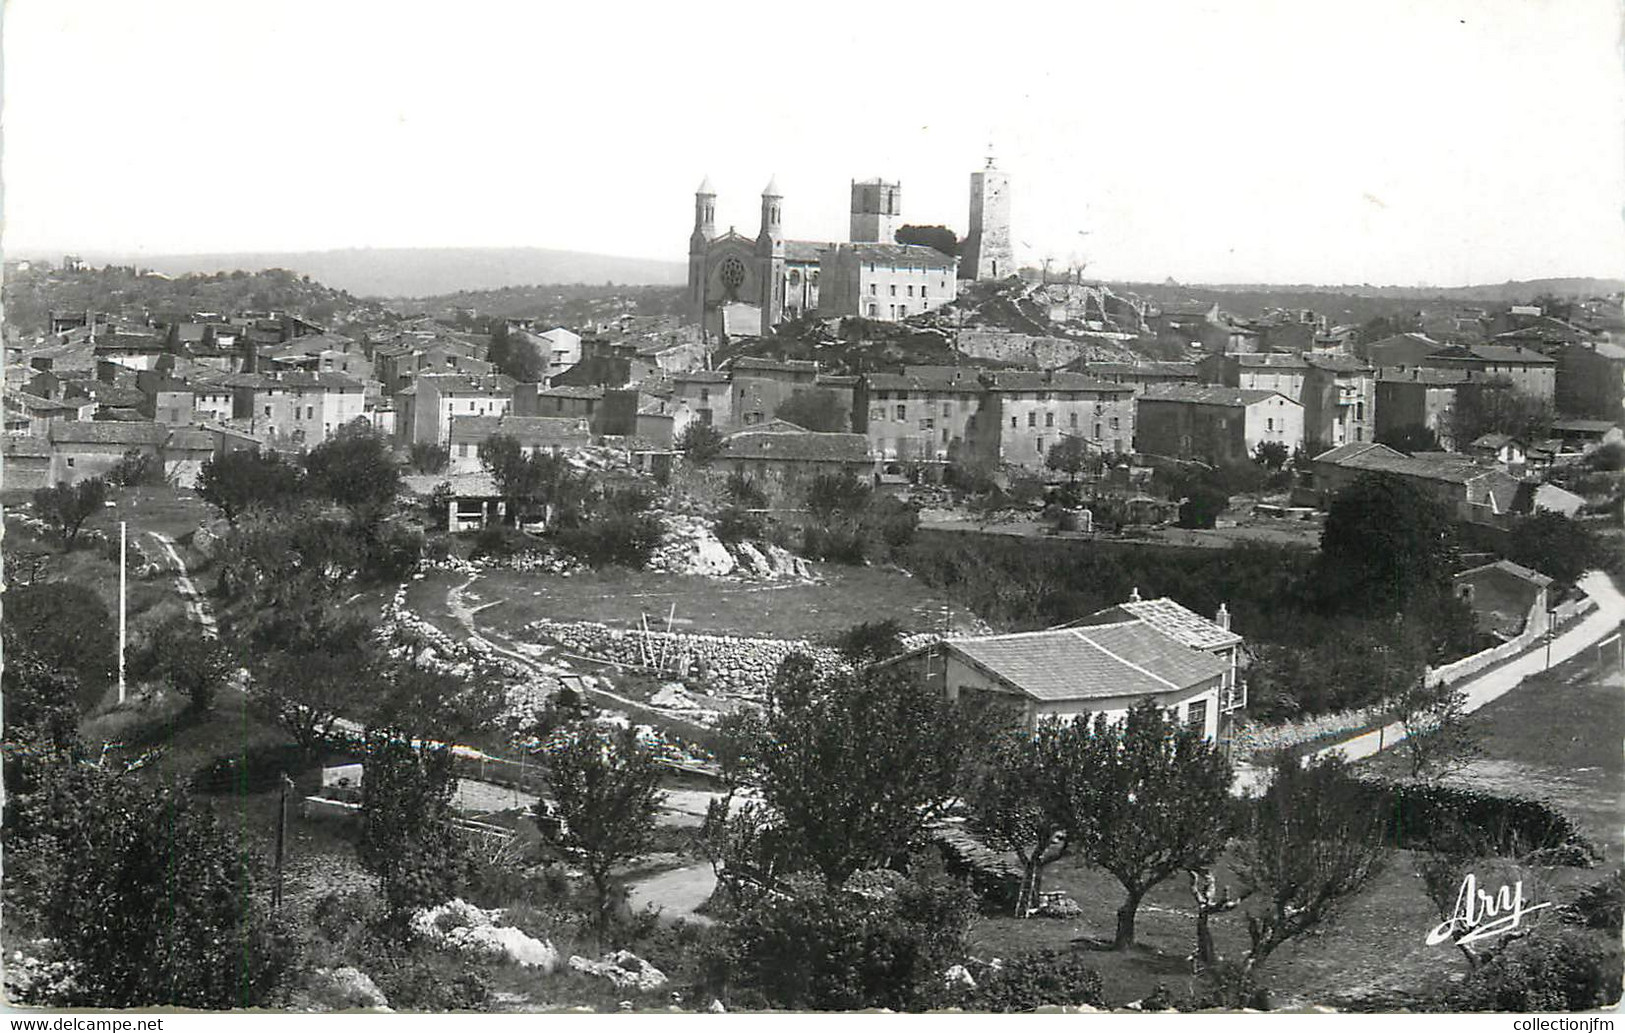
(1556, 737)
(847, 596)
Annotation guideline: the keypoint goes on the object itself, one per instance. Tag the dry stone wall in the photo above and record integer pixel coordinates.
(728, 663)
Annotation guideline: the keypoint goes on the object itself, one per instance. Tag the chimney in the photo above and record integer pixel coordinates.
(1222, 618)
(1134, 594)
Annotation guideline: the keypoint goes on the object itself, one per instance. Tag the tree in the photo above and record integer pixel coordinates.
(1271, 454)
(817, 409)
(66, 626)
(1021, 802)
(700, 443)
(149, 897)
(428, 457)
(604, 788)
(136, 467)
(1385, 543)
(1313, 840)
(238, 481)
(41, 719)
(356, 469)
(535, 481)
(318, 670)
(941, 238)
(408, 839)
(858, 766)
(1070, 456)
(1496, 407)
(66, 507)
(1201, 508)
(1410, 438)
(1553, 544)
(870, 641)
(515, 353)
(1150, 798)
(832, 494)
(195, 665)
(1437, 740)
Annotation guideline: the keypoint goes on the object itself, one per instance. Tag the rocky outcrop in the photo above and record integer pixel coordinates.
(622, 968)
(344, 989)
(460, 926)
(691, 547)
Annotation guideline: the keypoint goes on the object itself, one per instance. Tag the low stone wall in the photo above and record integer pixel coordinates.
(729, 663)
(1534, 633)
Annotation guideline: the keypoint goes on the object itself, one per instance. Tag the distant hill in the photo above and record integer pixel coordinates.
(420, 272)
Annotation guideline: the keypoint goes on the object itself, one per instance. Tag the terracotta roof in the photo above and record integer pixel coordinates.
(1338, 363)
(939, 378)
(796, 445)
(1519, 571)
(478, 485)
(108, 432)
(746, 362)
(701, 376)
(190, 438)
(529, 431)
(1433, 377)
(1585, 426)
(461, 383)
(1269, 360)
(1035, 380)
(1184, 626)
(1182, 370)
(26, 445)
(898, 254)
(1493, 353)
(565, 391)
(805, 250)
(1376, 458)
(1230, 397)
(1098, 662)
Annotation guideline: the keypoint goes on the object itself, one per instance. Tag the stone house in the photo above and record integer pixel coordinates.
(1339, 399)
(534, 434)
(423, 410)
(1528, 371)
(1507, 599)
(1415, 396)
(297, 408)
(884, 282)
(1472, 493)
(1217, 424)
(1591, 380)
(1025, 413)
(924, 414)
(789, 455)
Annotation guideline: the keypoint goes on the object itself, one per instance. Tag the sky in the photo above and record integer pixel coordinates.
(1435, 142)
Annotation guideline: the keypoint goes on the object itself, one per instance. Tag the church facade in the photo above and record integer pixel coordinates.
(743, 285)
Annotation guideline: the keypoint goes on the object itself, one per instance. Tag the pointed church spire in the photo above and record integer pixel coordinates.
(705, 188)
(772, 188)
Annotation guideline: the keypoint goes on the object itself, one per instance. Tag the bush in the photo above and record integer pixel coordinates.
(136, 467)
(1201, 508)
(624, 539)
(254, 770)
(393, 551)
(497, 542)
(1602, 904)
(1042, 978)
(742, 491)
(734, 525)
(1557, 972)
(841, 543)
(819, 949)
(1421, 816)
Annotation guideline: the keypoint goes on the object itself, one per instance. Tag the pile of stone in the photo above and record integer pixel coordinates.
(690, 546)
(624, 969)
(727, 663)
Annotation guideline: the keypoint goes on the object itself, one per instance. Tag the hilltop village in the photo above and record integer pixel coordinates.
(647, 648)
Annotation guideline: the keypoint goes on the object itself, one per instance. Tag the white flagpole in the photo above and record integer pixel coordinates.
(122, 604)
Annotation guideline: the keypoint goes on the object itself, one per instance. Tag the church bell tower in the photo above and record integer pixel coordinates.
(770, 255)
(705, 229)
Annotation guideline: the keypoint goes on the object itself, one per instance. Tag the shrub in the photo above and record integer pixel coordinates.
(136, 467)
(393, 550)
(1420, 816)
(1602, 904)
(734, 525)
(624, 539)
(251, 771)
(1041, 978)
(1558, 972)
(841, 543)
(742, 491)
(497, 542)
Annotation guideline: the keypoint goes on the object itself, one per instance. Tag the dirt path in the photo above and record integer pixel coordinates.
(196, 607)
(676, 893)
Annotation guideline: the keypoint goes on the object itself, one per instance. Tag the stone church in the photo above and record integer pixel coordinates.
(744, 286)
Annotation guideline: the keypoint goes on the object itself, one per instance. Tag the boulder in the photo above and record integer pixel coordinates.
(342, 989)
(458, 925)
(622, 968)
(958, 977)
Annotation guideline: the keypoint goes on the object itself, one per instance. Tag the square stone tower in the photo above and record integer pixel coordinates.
(986, 251)
(877, 211)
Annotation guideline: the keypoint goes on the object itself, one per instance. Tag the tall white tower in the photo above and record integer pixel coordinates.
(987, 254)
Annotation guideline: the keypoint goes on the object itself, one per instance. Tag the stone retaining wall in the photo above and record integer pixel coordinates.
(729, 663)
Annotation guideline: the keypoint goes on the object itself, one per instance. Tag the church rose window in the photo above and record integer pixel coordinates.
(733, 273)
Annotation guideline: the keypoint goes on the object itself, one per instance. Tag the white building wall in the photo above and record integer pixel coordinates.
(964, 676)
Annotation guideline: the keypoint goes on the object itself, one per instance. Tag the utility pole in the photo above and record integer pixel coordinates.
(281, 838)
(123, 602)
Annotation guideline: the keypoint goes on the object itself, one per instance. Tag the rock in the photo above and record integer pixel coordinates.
(622, 968)
(206, 539)
(959, 976)
(672, 694)
(344, 988)
(458, 925)
(716, 1007)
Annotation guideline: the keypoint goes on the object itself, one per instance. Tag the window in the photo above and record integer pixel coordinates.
(874, 288)
(1012, 423)
(1049, 419)
(267, 410)
(1196, 713)
(1032, 419)
(894, 290)
(911, 290)
(70, 462)
(928, 424)
(1114, 423)
(1074, 421)
(1269, 424)
(945, 435)
(874, 310)
(1359, 434)
(1038, 443)
(310, 412)
(462, 450)
(947, 410)
(894, 311)
(902, 412)
(1359, 411)
(705, 394)
(877, 413)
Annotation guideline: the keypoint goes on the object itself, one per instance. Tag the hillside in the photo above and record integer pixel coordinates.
(30, 296)
(1362, 303)
(419, 272)
(564, 304)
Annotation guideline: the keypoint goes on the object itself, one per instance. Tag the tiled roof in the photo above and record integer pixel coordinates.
(468, 383)
(1230, 397)
(108, 432)
(701, 376)
(805, 250)
(807, 446)
(1382, 459)
(1128, 659)
(26, 445)
(1180, 370)
(529, 431)
(1269, 360)
(926, 378)
(1422, 375)
(1494, 440)
(478, 485)
(899, 254)
(565, 391)
(1337, 363)
(1519, 571)
(190, 438)
(1035, 380)
(1493, 353)
(746, 362)
(1585, 426)
(1184, 626)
